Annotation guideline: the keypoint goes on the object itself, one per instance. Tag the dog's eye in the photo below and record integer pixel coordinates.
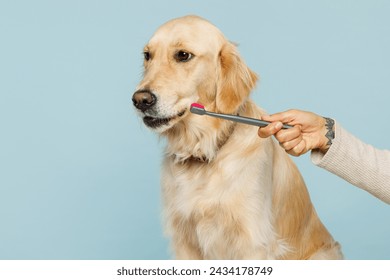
(182, 56)
(146, 56)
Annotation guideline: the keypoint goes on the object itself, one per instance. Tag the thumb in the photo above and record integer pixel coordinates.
(284, 117)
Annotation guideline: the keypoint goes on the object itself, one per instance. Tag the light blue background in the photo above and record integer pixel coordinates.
(79, 174)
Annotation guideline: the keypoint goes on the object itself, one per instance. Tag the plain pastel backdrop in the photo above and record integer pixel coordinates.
(79, 173)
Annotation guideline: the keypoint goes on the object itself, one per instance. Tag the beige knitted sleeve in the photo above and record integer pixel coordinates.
(358, 163)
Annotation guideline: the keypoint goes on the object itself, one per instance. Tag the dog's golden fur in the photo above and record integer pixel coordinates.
(227, 193)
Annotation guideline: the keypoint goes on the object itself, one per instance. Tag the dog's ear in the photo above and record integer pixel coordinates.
(235, 81)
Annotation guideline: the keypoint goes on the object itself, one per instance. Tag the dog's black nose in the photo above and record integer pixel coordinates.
(144, 99)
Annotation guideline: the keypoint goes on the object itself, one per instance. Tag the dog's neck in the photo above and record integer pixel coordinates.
(197, 142)
(221, 141)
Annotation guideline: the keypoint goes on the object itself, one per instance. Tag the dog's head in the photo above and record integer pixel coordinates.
(189, 60)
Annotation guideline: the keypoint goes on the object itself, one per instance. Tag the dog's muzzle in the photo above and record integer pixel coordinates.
(144, 100)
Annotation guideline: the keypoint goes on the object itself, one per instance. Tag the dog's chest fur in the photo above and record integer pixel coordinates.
(219, 209)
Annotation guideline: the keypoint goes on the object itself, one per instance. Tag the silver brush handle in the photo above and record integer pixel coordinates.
(244, 120)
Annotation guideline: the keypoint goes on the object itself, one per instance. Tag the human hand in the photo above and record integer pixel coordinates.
(310, 131)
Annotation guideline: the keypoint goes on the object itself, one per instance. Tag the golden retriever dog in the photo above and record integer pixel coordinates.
(227, 193)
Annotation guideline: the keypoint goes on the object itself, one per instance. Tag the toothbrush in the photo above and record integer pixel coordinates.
(200, 110)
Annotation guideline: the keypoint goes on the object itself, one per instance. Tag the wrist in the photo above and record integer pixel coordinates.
(329, 134)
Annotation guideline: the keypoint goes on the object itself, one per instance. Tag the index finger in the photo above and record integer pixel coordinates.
(270, 129)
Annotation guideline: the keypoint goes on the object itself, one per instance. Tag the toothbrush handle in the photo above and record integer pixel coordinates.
(245, 120)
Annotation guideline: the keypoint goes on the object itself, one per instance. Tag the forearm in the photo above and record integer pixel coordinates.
(358, 163)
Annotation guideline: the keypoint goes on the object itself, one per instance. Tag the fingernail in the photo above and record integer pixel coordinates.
(278, 125)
